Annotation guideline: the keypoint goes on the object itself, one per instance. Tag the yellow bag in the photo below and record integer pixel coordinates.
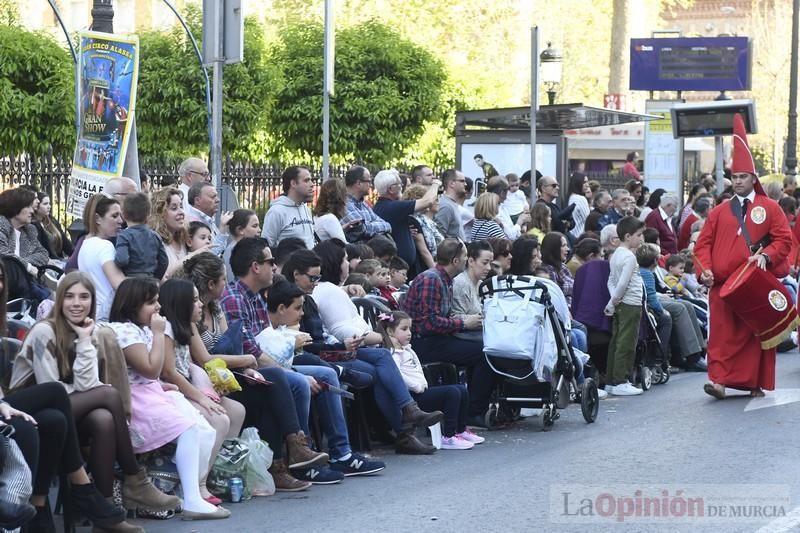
(222, 378)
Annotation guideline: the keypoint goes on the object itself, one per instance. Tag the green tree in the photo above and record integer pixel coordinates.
(386, 90)
(171, 112)
(37, 93)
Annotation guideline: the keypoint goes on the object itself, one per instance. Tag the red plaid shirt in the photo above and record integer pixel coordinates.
(428, 302)
(238, 302)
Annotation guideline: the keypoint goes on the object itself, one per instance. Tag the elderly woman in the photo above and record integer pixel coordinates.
(51, 234)
(485, 226)
(18, 236)
(660, 218)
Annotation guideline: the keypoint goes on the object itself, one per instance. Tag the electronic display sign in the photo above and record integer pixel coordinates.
(691, 64)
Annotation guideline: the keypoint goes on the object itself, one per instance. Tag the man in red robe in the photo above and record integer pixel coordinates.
(735, 356)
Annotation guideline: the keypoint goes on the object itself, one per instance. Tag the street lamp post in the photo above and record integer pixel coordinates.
(551, 60)
(791, 137)
(102, 16)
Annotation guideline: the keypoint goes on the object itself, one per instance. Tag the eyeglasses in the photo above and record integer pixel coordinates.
(204, 174)
(270, 261)
(313, 279)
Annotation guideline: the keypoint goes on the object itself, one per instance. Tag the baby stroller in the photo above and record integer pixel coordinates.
(651, 366)
(526, 344)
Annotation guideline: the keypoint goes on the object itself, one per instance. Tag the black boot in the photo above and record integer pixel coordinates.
(42, 521)
(408, 444)
(414, 416)
(88, 501)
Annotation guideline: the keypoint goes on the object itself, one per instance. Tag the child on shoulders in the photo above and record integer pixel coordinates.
(139, 250)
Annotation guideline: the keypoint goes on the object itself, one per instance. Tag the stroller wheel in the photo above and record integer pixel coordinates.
(590, 402)
(665, 376)
(549, 415)
(658, 375)
(491, 417)
(646, 376)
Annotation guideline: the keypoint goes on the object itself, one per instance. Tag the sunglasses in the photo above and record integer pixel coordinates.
(270, 261)
(314, 279)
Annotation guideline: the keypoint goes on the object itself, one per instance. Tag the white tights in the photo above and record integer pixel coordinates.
(191, 458)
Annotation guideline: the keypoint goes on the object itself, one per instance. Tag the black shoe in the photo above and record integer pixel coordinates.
(408, 444)
(695, 363)
(357, 465)
(87, 501)
(13, 515)
(42, 521)
(355, 378)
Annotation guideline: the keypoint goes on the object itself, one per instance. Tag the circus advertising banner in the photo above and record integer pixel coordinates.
(107, 71)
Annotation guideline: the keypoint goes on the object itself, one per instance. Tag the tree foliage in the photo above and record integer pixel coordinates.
(386, 90)
(171, 114)
(37, 93)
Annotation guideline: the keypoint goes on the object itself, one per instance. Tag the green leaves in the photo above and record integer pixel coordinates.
(37, 93)
(386, 89)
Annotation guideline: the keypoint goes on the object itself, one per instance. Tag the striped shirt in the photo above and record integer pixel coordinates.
(486, 229)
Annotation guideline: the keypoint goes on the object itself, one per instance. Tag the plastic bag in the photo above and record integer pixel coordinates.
(258, 478)
(231, 462)
(222, 378)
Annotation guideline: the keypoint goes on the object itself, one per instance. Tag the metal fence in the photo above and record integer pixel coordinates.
(255, 184)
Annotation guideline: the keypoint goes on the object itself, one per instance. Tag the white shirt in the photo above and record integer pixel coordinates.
(751, 197)
(515, 202)
(17, 234)
(624, 280)
(579, 214)
(328, 227)
(512, 231)
(96, 252)
(665, 217)
(185, 190)
(339, 315)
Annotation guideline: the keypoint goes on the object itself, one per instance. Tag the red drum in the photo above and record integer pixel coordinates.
(762, 302)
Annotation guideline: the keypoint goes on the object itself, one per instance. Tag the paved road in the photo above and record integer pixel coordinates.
(672, 437)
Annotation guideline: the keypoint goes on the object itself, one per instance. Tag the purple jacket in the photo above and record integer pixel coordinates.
(590, 295)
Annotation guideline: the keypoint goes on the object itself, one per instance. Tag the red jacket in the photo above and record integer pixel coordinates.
(669, 241)
(685, 232)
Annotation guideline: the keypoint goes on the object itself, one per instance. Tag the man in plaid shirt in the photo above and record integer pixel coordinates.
(428, 303)
(359, 183)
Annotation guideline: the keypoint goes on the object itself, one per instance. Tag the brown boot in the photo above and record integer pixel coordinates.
(139, 493)
(408, 444)
(414, 416)
(300, 455)
(284, 482)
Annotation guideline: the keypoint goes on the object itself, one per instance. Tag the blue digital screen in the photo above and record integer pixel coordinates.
(690, 64)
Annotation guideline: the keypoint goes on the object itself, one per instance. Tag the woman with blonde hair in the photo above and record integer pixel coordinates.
(167, 219)
(485, 226)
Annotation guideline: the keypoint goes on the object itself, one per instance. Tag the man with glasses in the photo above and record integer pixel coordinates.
(448, 218)
(560, 219)
(252, 264)
(621, 202)
(192, 170)
(396, 211)
(359, 184)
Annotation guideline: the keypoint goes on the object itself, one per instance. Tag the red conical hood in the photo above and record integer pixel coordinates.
(742, 158)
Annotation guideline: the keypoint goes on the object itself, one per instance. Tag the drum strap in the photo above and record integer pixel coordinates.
(736, 209)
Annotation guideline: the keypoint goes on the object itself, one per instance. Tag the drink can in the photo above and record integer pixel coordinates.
(236, 487)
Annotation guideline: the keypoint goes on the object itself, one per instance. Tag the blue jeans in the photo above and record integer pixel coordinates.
(391, 393)
(231, 341)
(331, 413)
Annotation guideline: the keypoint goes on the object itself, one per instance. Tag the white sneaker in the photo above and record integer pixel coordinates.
(456, 443)
(601, 394)
(626, 389)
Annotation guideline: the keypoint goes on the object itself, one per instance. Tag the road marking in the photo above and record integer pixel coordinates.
(774, 398)
(783, 524)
